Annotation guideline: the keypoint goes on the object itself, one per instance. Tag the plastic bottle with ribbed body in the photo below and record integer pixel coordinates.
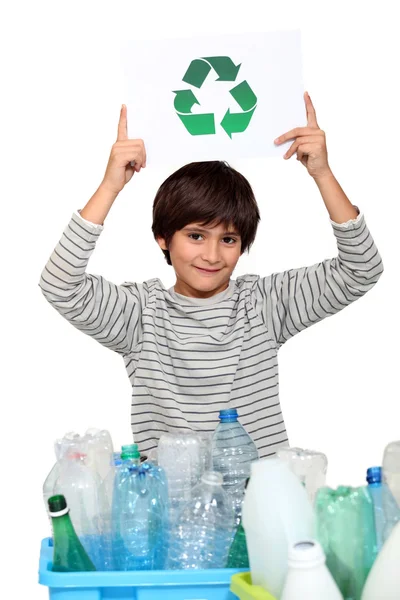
(203, 530)
(387, 513)
(233, 451)
(309, 466)
(138, 514)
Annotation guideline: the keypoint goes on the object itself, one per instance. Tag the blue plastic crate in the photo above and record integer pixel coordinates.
(209, 584)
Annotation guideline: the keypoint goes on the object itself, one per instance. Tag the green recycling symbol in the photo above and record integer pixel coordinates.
(204, 124)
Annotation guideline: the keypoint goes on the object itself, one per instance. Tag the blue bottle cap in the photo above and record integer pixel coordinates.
(228, 414)
(374, 475)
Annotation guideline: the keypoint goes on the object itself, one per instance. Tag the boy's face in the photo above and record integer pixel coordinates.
(203, 258)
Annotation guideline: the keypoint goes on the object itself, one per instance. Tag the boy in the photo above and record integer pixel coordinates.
(210, 342)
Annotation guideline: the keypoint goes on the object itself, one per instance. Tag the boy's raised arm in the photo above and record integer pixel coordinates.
(108, 312)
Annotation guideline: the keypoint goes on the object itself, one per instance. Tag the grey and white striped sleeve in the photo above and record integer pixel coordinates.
(295, 299)
(107, 312)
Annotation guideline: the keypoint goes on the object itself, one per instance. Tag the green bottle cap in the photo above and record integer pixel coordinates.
(130, 451)
(57, 503)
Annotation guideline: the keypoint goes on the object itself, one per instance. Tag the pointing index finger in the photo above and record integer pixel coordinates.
(122, 125)
(311, 114)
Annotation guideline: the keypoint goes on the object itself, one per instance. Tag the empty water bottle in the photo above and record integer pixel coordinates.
(387, 513)
(184, 456)
(309, 466)
(233, 451)
(203, 530)
(139, 516)
(391, 468)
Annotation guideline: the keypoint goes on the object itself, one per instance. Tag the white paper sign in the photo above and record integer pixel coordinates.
(214, 98)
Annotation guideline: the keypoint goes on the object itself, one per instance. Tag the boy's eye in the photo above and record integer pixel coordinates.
(228, 240)
(194, 234)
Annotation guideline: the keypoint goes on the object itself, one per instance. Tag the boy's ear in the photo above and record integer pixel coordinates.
(161, 243)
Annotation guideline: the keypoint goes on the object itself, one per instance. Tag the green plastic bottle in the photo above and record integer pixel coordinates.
(346, 531)
(238, 557)
(69, 554)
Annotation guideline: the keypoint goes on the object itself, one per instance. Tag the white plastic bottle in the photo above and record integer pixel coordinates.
(383, 581)
(391, 468)
(308, 577)
(276, 513)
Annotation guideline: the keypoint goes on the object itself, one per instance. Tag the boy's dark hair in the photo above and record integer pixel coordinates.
(208, 192)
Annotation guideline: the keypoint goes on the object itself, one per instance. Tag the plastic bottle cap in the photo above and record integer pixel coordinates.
(374, 475)
(228, 414)
(130, 451)
(212, 478)
(306, 554)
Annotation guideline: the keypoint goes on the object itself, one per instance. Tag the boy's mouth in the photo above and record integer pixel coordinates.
(209, 271)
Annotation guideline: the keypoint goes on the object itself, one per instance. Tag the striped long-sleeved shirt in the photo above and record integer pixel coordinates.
(187, 358)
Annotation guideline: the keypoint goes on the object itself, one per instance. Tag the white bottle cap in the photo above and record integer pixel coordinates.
(306, 554)
(212, 478)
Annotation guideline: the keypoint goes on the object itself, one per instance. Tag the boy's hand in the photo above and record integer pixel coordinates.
(309, 144)
(119, 168)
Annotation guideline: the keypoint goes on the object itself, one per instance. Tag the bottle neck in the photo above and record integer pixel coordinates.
(62, 526)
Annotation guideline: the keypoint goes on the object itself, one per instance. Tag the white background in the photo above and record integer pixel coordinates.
(61, 95)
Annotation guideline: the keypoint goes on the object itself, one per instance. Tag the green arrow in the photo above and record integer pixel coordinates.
(197, 72)
(224, 67)
(236, 122)
(244, 95)
(198, 124)
(184, 100)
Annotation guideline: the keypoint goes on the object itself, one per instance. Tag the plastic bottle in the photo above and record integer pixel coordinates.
(383, 582)
(238, 557)
(203, 530)
(138, 514)
(276, 513)
(346, 532)
(308, 577)
(387, 513)
(309, 466)
(69, 554)
(391, 469)
(233, 451)
(83, 490)
(184, 456)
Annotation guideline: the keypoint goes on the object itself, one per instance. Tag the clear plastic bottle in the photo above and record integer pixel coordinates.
(203, 530)
(184, 456)
(82, 488)
(391, 468)
(308, 576)
(309, 466)
(233, 451)
(387, 513)
(138, 514)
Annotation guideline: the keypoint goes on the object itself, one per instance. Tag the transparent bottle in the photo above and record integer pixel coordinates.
(309, 466)
(383, 582)
(184, 456)
(203, 531)
(386, 511)
(233, 451)
(391, 468)
(138, 514)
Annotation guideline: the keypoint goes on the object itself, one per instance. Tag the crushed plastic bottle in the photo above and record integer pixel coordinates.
(309, 466)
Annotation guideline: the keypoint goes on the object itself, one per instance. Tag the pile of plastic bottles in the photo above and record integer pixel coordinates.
(204, 501)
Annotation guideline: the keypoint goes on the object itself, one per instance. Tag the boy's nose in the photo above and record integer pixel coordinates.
(211, 254)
